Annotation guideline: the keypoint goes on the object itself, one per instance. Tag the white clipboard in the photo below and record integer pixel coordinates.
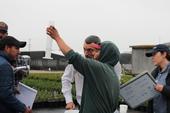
(71, 111)
(27, 94)
(138, 90)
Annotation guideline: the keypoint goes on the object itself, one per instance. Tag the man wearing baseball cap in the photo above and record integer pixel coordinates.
(160, 58)
(3, 29)
(9, 51)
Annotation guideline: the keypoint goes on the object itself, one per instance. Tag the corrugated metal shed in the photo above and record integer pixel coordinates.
(140, 62)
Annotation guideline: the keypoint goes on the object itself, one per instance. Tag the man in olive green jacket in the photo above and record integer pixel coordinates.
(101, 85)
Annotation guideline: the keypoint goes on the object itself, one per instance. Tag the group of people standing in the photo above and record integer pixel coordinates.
(9, 51)
(96, 74)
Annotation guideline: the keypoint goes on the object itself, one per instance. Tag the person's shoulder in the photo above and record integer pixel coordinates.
(3, 61)
(70, 67)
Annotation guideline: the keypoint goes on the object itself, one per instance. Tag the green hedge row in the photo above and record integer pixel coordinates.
(41, 84)
(49, 85)
(46, 76)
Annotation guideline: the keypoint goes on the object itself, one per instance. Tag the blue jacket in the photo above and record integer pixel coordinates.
(8, 101)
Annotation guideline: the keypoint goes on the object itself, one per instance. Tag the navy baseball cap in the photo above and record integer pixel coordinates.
(157, 48)
(11, 41)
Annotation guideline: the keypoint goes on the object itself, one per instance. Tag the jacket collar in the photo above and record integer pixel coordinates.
(165, 68)
(6, 56)
(157, 70)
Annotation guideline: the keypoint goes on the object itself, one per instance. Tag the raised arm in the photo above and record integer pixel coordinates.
(53, 33)
(81, 64)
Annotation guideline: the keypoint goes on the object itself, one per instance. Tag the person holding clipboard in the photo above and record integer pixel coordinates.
(160, 57)
(9, 51)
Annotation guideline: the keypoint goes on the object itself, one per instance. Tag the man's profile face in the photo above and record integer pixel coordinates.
(12, 51)
(90, 52)
(158, 58)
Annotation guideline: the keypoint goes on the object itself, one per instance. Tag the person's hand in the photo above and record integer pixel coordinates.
(70, 106)
(16, 90)
(52, 32)
(159, 87)
(28, 110)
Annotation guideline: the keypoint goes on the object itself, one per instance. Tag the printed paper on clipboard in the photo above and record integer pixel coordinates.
(138, 90)
(27, 95)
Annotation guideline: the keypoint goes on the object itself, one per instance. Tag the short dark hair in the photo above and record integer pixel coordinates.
(11, 41)
(93, 39)
(167, 55)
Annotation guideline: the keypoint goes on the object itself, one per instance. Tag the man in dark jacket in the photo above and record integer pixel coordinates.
(101, 85)
(9, 51)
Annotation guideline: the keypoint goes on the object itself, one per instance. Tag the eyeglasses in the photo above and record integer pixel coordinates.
(90, 50)
(3, 31)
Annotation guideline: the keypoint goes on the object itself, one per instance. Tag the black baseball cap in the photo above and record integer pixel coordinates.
(158, 48)
(11, 41)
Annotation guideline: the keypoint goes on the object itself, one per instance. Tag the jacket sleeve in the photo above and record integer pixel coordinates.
(118, 70)
(166, 88)
(67, 80)
(81, 64)
(166, 91)
(6, 89)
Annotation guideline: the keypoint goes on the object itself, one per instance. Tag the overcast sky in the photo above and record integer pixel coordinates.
(125, 22)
